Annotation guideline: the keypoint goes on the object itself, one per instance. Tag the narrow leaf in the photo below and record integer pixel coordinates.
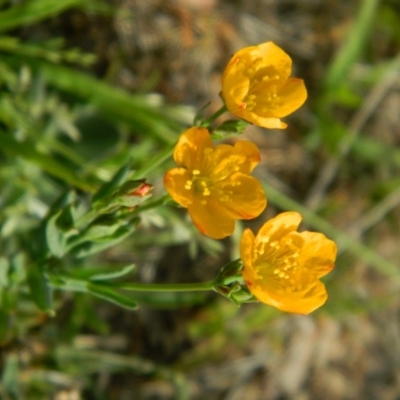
(89, 248)
(54, 236)
(40, 288)
(4, 267)
(5, 324)
(113, 275)
(32, 11)
(352, 45)
(13, 148)
(117, 180)
(112, 296)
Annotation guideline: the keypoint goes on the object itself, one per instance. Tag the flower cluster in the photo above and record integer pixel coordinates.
(279, 266)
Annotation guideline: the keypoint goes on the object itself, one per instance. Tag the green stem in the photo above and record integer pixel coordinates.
(86, 219)
(154, 163)
(149, 205)
(207, 122)
(164, 287)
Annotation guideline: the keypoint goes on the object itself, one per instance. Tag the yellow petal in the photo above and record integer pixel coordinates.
(177, 182)
(246, 251)
(318, 253)
(211, 218)
(269, 123)
(291, 96)
(279, 226)
(250, 151)
(263, 56)
(242, 196)
(193, 148)
(235, 87)
(301, 302)
(227, 159)
(274, 56)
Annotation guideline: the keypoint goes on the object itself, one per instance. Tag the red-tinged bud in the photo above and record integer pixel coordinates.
(142, 190)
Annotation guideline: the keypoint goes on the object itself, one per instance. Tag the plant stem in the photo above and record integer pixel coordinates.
(154, 163)
(164, 287)
(213, 117)
(149, 205)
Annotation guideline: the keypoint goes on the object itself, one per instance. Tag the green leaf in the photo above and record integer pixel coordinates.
(10, 381)
(113, 275)
(117, 104)
(5, 324)
(100, 232)
(117, 180)
(331, 131)
(4, 267)
(112, 296)
(131, 194)
(67, 283)
(32, 11)
(17, 273)
(229, 128)
(54, 236)
(352, 45)
(88, 248)
(40, 289)
(13, 45)
(26, 150)
(376, 152)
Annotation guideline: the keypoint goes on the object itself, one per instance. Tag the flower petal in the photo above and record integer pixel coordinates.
(318, 253)
(246, 249)
(175, 181)
(227, 159)
(301, 302)
(193, 148)
(211, 219)
(250, 151)
(270, 123)
(235, 87)
(274, 56)
(245, 198)
(256, 58)
(279, 226)
(291, 96)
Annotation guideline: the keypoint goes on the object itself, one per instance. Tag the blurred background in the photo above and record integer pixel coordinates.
(87, 87)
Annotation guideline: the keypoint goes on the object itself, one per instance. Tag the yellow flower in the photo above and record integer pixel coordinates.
(256, 86)
(213, 183)
(282, 267)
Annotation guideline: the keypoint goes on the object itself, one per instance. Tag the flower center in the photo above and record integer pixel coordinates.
(218, 185)
(200, 185)
(278, 265)
(263, 90)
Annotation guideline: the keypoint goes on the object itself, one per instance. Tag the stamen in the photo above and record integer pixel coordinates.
(188, 185)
